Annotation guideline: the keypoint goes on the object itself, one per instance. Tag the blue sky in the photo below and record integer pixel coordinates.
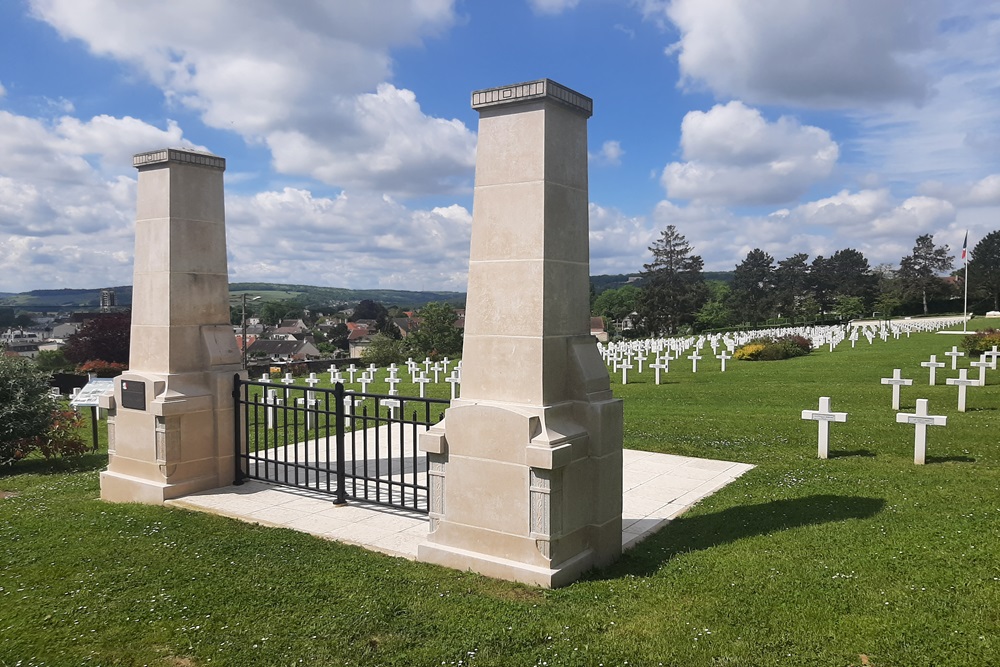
(788, 125)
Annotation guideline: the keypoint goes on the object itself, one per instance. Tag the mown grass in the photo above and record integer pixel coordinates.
(860, 559)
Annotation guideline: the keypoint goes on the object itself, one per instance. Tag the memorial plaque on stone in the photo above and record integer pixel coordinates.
(133, 395)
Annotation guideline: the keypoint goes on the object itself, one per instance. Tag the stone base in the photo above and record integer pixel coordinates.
(118, 488)
(510, 570)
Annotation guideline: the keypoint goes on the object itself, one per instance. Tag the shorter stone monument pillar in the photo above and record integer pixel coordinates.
(525, 471)
(170, 426)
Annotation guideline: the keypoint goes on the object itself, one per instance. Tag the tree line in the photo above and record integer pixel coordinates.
(673, 295)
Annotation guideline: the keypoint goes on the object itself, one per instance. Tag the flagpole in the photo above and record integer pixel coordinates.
(965, 307)
(965, 304)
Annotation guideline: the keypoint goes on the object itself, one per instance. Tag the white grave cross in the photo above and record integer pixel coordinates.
(921, 420)
(624, 368)
(824, 416)
(954, 354)
(454, 380)
(896, 381)
(963, 382)
(933, 365)
(982, 365)
(422, 380)
(662, 363)
(723, 358)
(694, 357)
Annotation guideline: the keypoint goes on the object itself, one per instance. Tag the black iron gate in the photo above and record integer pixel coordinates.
(352, 445)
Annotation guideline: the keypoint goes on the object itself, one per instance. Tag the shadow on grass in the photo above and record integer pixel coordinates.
(38, 465)
(950, 459)
(695, 533)
(867, 453)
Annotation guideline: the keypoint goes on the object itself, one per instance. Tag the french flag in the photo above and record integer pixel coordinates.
(965, 245)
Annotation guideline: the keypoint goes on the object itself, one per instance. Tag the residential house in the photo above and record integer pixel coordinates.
(283, 350)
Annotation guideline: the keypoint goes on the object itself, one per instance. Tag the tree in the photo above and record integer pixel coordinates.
(674, 287)
(384, 350)
(436, 334)
(105, 337)
(919, 272)
(984, 268)
(53, 361)
(752, 296)
(850, 275)
(615, 304)
(848, 307)
(715, 313)
(791, 283)
(272, 312)
(25, 405)
(369, 310)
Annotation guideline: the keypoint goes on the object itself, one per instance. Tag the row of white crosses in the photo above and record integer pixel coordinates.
(420, 374)
(657, 353)
(920, 418)
(364, 377)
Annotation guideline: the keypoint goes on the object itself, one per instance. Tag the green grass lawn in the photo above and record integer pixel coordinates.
(860, 559)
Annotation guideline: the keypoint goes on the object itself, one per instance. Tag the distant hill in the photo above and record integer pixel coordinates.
(310, 296)
(606, 282)
(614, 281)
(64, 299)
(67, 300)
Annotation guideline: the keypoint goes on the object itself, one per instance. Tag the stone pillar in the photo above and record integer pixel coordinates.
(526, 468)
(171, 424)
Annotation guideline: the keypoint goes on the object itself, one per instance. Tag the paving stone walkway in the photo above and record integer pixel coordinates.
(656, 488)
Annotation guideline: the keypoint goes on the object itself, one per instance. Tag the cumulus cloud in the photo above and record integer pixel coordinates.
(67, 198)
(848, 53)
(552, 6)
(308, 79)
(610, 154)
(734, 156)
(285, 234)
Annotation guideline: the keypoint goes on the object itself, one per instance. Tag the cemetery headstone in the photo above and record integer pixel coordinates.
(824, 415)
(896, 381)
(954, 353)
(933, 364)
(963, 382)
(921, 420)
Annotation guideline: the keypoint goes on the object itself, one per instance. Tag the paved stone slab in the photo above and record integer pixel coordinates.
(657, 488)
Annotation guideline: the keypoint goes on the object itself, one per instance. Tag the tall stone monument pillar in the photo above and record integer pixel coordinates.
(170, 429)
(526, 468)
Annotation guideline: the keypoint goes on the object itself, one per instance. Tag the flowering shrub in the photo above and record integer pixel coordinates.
(981, 341)
(771, 349)
(62, 438)
(25, 406)
(103, 369)
(749, 352)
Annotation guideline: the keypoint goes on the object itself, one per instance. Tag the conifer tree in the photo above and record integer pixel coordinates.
(673, 285)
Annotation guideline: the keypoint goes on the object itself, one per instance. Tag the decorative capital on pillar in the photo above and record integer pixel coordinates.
(533, 90)
(183, 155)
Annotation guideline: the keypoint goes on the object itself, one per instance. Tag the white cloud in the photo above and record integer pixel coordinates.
(352, 240)
(308, 79)
(984, 192)
(552, 6)
(400, 149)
(610, 154)
(734, 156)
(847, 53)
